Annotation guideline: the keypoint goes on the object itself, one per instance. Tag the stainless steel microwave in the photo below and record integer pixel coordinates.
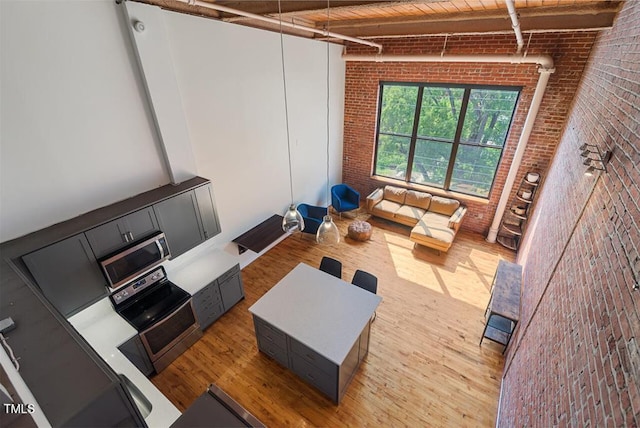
(133, 260)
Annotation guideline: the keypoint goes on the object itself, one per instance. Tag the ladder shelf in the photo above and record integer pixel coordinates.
(515, 218)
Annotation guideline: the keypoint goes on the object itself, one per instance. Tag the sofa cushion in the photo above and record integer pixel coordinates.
(386, 206)
(395, 194)
(444, 206)
(433, 227)
(418, 199)
(409, 215)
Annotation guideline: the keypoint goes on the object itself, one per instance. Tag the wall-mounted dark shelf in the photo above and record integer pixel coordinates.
(261, 236)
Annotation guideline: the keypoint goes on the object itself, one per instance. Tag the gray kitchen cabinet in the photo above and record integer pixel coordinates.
(216, 298)
(179, 220)
(69, 380)
(330, 378)
(314, 368)
(207, 304)
(272, 341)
(117, 233)
(188, 219)
(207, 211)
(67, 274)
(231, 290)
(135, 352)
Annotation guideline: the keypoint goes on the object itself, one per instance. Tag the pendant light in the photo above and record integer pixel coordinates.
(292, 220)
(328, 232)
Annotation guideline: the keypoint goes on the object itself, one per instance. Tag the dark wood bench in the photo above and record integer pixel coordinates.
(503, 311)
(261, 236)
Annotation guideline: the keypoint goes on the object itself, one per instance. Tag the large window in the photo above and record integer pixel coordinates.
(446, 136)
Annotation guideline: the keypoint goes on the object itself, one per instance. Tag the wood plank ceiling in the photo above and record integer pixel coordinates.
(380, 19)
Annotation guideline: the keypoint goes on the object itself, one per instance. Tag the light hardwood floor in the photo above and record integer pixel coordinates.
(424, 366)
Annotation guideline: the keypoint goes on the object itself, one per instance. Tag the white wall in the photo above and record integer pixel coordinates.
(230, 78)
(75, 132)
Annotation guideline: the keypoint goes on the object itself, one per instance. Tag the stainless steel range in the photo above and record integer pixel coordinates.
(162, 313)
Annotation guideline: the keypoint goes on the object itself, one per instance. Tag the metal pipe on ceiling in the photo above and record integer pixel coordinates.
(515, 24)
(545, 61)
(519, 153)
(274, 21)
(485, 33)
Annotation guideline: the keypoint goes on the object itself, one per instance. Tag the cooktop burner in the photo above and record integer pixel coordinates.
(149, 299)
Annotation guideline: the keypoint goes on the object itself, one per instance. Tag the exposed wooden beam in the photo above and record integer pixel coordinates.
(540, 19)
(289, 18)
(575, 17)
(293, 7)
(276, 28)
(177, 6)
(537, 24)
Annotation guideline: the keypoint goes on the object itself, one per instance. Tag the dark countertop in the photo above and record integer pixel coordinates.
(216, 409)
(49, 349)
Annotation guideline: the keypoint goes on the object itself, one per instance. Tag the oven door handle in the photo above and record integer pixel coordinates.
(160, 248)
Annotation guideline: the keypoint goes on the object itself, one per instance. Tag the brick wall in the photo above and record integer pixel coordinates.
(576, 357)
(569, 51)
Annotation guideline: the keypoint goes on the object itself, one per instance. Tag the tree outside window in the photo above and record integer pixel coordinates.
(446, 136)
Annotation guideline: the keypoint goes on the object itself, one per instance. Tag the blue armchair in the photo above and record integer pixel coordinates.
(312, 217)
(344, 198)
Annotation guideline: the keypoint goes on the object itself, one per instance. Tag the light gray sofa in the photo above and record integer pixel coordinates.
(435, 219)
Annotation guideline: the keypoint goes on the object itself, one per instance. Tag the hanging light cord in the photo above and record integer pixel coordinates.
(327, 29)
(286, 107)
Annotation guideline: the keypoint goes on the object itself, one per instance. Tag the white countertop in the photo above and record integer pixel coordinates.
(201, 269)
(22, 389)
(105, 330)
(319, 310)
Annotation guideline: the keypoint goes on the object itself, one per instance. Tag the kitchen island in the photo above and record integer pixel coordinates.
(317, 326)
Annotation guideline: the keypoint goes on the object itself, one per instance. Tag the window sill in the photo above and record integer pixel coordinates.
(433, 190)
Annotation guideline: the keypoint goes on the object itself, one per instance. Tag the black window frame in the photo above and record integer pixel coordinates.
(456, 143)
